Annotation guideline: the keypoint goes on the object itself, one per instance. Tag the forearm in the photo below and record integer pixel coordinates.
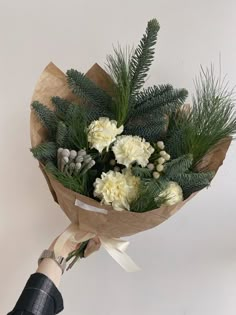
(50, 268)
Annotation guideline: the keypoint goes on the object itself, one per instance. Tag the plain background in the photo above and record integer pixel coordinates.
(189, 262)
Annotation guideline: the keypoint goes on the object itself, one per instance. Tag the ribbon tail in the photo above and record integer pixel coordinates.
(118, 254)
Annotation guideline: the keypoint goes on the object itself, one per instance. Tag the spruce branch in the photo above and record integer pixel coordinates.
(143, 56)
(46, 117)
(192, 182)
(164, 102)
(151, 127)
(150, 93)
(61, 135)
(178, 166)
(45, 151)
(89, 92)
(141, 172)
(61, 106)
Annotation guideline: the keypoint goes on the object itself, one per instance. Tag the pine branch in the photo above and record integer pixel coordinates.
(143, 56)
(46, 117)
(192, 182)
(45, 151)
(61, 134)
(75, 183)
(118, 67)
(149, 191)
(141, 172)
(165, 102)
(89, 92)
(77, 128)
(149, 93)
(178, 166)
(212, 118)
(151, 127)
(61, 106)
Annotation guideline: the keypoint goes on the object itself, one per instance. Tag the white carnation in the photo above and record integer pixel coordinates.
(173, 194)
(129, 149)
(102, 132)
(116, 189)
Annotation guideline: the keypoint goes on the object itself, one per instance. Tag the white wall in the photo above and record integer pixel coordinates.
(189, 262)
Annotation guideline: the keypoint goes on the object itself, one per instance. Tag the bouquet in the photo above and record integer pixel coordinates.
(120, 158)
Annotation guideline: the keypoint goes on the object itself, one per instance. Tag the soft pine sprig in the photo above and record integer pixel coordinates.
(75, 183)
(148, 195)
(119, 68)
(211, 118)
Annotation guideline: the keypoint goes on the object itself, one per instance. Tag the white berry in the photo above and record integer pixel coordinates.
(160, 145)
(161, 160)
(150, 166)
(156, 175)
(159, 167)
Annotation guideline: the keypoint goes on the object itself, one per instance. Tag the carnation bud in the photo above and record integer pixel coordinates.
(160, 145)
(161, 160)
(150, 166)
(156, 175)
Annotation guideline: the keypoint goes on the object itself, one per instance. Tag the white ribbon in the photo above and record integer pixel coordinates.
(114, 246)
(87, 207)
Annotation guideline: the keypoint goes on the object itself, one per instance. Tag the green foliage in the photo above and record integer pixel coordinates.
(45, 151)
(61, 106)
(178, 166)
(61, 135)
(119, 69)
(46, 117)
(148, 195)
(143, 56)
(75, 183)
(97, 101)
(149, 93)
(192, 182)
(77, 129)
(149, 126)
(161, 100)
(141, 172)
(211, 119)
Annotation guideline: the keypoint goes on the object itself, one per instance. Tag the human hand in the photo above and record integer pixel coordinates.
(70, 245)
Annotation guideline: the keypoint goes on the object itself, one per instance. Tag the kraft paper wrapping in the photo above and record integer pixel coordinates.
(52, 82)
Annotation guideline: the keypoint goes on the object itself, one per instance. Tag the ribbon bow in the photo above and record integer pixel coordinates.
(114, 246)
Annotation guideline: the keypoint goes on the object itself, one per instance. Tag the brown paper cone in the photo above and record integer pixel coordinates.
(52, 82)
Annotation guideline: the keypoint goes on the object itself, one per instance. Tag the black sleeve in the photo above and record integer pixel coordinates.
(39, 297)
